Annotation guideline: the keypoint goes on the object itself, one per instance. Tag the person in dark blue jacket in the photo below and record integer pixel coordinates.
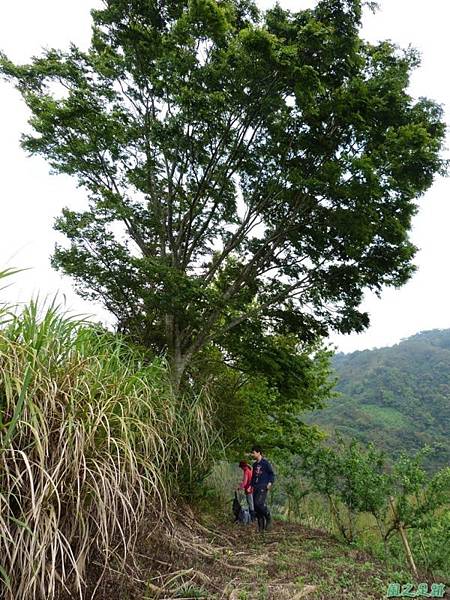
(262, 480)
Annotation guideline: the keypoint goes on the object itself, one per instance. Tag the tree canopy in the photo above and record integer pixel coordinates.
(261, 393)
(240, 167)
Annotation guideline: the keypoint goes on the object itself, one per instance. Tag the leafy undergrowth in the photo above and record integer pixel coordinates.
(236, 563)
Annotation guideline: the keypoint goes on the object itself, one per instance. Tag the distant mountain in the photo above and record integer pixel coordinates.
(397, 397)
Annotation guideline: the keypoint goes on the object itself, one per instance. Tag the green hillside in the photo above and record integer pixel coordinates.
(398, 397)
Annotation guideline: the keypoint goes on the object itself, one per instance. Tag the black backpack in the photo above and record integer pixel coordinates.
(241, 515)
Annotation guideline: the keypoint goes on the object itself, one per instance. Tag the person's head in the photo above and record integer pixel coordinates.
(243, 464)
(256, 452)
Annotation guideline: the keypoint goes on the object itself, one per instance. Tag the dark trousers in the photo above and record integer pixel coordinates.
(261, 510)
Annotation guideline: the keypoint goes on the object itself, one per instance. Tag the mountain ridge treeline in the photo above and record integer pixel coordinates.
(396, 396)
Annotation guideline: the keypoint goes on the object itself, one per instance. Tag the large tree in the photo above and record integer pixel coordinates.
(238, 166)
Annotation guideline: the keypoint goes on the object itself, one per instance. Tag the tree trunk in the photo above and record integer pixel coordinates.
(176, 363)
(177, 367)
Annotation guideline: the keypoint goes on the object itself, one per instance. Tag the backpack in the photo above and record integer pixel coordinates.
(241, 515)
(244, 516)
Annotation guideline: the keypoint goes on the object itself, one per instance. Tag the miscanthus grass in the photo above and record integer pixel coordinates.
(91, 441)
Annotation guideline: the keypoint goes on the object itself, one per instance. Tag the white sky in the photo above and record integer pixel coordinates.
(31, 198)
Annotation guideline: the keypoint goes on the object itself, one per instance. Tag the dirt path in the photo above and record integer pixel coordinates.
(292, 562)
(234, 562)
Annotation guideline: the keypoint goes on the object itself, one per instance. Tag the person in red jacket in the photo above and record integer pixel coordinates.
(246, 487)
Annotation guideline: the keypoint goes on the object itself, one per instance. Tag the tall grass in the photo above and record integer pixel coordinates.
(92, 440)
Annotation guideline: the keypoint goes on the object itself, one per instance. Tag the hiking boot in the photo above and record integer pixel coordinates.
(260, 524)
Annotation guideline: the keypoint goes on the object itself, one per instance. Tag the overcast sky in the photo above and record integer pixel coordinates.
(31, 197)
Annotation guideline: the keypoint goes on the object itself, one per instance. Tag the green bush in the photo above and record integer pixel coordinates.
(369, 502)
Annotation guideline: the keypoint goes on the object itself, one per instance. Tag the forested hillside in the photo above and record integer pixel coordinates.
(398, 397)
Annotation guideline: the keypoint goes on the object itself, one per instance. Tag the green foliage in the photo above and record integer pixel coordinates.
(418, 495)
(432, 544)
(351, 476)
(239, 167)
(291, 488)
(191, 591)
(362, 485)
(259, 401)
(396, 397)
(368, 502)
